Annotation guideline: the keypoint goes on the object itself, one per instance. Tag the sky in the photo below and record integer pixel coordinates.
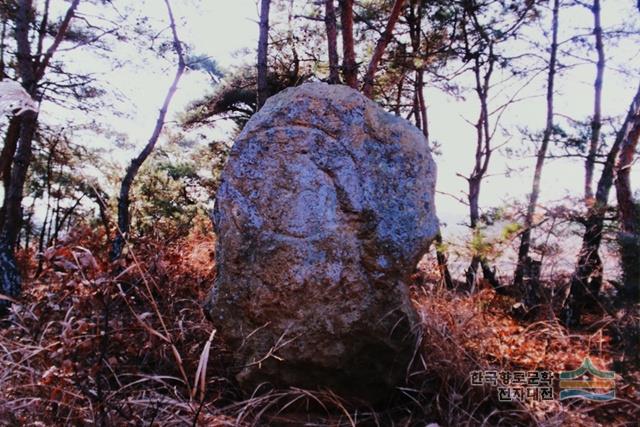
(223, 29)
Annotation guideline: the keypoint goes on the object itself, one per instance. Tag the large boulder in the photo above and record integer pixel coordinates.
(325, 207)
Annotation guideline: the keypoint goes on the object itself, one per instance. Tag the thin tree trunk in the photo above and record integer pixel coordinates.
(415, 111)
(42, 29)
(332, 42)
(525, 240)
(471, 273)
(385, 38)
(43, 63)
(6, 157)
(628, 215)
(28, 230)
(60, 223)
(50, 226)
(443, 262)
(482, 157)
(263, 43)
(628, 212)
(587, 276)
(422, 106)
(2, 48)
(349, 66)
(124, 221)
(413, 21)
(56, 212)
(596, 122)
(399, 89)
(100, 198)
(43, 229)
(474, 216)
(41, 238)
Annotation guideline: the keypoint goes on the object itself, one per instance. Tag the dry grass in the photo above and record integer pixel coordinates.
(466, 333)
(93, 343)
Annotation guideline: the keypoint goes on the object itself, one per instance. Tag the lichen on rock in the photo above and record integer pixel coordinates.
(325, 207)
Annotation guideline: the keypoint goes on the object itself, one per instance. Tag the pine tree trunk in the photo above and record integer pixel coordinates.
(596, 122)
(474, 215)
(349, 66)
(332, 43)
(482, 157)
(525, 241)
(443, 262)
(13, 196)
(124, 220)
(10, 280)
(629, 214)
(263, 44)
(587, 277)
(6, 157)
(385, 38)
(422, 106)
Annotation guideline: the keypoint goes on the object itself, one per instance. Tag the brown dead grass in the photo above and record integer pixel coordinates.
(93, 343)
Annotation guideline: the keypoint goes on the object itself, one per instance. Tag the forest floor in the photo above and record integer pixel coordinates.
(88, 346)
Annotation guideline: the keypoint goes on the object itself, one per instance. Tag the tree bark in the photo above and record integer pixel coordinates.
(10, 279)
(2, 48)
(13, 197)
(332, 43)
(596, 122)
(100, 198)
(628, 211)
(28, 229)
(525, 240)
(6, 157)
(124, 221)
(399, 90)
(422, 106)
(349, 66)
(482, 157)
(385, 38)
(443, 262)
(42, 30)
(263, 43)
(587, 278)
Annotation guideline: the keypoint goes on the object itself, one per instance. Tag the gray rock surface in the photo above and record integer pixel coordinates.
(325, 207)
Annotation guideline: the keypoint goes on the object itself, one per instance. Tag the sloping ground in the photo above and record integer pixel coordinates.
(92, 343)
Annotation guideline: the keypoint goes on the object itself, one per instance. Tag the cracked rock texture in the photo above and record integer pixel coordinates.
(325, 207)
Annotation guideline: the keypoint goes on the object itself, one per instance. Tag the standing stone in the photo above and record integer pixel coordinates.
(325, 207)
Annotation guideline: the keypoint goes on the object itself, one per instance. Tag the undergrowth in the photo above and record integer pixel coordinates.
(128, 344)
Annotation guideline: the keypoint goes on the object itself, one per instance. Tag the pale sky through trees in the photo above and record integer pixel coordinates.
(222, 29)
